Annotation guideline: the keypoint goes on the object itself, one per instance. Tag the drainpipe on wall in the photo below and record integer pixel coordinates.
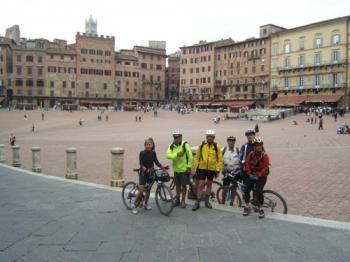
(347, 65)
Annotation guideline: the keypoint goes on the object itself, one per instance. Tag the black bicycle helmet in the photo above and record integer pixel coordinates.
(231, 138)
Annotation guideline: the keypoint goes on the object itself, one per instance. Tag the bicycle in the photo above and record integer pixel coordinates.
(192, 188)
(163, 195)
(272, 200)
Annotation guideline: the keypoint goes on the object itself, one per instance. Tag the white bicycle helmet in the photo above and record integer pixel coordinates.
(210, 132)
(177, 132)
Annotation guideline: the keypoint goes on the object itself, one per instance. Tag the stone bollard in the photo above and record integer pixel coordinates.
(71, 163)
(117, 167)
(15, 156)
(36, 160)
(2, 153)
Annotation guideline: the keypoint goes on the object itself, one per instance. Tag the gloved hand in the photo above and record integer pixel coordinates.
(143, 168)
(253, 177)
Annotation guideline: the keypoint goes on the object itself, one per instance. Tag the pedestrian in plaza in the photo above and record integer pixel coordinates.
(257, 170)
(106, 117)
(25, 117)
(42, 116)
(312, 120)
(139, 118)
(320, 124)
(231, 164)
(209, 159)
(81, 121)
(136, 118)
(256, 129)
(180, 153)
(33, 128)
(12, 139)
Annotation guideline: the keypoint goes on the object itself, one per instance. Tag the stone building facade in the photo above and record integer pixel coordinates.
(5, 66)
(310, 64)
(173, 77)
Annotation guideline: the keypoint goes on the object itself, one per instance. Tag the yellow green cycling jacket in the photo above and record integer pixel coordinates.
(180, 164)
(208, 158)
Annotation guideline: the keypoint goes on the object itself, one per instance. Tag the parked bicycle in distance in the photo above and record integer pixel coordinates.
(273, 202)
(163, 195)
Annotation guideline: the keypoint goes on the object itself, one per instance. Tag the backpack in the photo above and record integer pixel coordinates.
(225, 148)
(215, 148)
(183, 148)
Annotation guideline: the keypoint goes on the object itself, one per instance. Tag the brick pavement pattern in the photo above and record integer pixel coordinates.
(49, 220)
(310, 168)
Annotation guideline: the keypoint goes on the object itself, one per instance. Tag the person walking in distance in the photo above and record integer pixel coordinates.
(320, 123)
(180, 153)
(12, 139)
(209, 159)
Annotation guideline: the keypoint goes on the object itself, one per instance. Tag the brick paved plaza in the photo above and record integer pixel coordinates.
(310, 168)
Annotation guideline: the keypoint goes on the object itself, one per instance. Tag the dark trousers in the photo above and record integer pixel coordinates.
(259, 186)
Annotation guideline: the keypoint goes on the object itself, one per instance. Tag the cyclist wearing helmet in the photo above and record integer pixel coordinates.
(209, 159)
(247, 147)
(181, 154)
(257, 169)
(230, 155)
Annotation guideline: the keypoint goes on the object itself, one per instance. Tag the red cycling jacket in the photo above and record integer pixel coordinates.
(257, 163)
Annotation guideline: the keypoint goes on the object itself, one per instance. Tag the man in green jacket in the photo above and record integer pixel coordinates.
(180, 153)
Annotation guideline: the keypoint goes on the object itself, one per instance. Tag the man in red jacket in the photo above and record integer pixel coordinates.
(257, 169)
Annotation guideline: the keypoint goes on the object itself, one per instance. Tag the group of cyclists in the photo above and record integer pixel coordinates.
(250, 164)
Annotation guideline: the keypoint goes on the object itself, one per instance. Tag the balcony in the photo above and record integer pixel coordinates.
(313, 66)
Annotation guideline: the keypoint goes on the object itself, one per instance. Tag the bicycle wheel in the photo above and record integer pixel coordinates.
(274, 202)
(164, 200)
(232, 198)
(215, 186)
(129, 194)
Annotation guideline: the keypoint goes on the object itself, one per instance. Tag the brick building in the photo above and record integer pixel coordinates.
(173, 76)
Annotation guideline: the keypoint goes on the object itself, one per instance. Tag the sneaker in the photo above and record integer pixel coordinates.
(196, 206)
(246, 211)
(134, 209)
(183, 204)
(177, 201)
(207, 204)
(147, 207)
(261, 213)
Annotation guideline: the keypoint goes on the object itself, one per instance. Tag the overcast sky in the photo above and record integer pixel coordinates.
(178, 22)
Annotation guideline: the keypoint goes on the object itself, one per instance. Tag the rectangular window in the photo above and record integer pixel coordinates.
(29, 70)
(19, 70)
(274, 49)
(317, 81)
(64, 84)
(208, 80)
(40, 71)
(318, 59)
(83, 51)
(52, 84)
(87, 85)
(335, 56)
(301, 44)
(301, 81)
(334, 80)
(262, 68)
(19, 82)
(287, 48)
(301, 60)
(159, 67)
(40, 83)
(286, 62)
(286, 82)
(335, 39)
(318, 42)
(19, 58)
(144, 65)
(72, 84)
(40, 59)
(29, 59)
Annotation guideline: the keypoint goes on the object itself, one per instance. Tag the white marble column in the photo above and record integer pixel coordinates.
(15, 156)
(71, 163)
(117, 167)
(2, 153)
(36, 160)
